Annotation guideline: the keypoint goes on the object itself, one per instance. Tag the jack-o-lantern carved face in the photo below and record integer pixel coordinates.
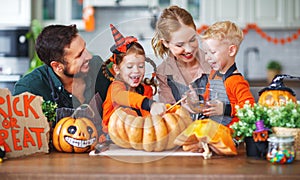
(275, 97)
(74, 135)
(277, 93)
(261, 136)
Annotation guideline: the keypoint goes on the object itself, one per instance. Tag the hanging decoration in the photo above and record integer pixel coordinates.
(202, 28)
(88, 18)
(263, 34)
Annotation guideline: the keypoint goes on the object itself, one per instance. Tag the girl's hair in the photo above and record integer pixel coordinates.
(225, 31)
(136, 48)
(171, 19)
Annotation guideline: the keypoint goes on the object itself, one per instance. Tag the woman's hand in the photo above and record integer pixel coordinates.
(158, 109)
(215, 108)
(193, 95)
(185, 104)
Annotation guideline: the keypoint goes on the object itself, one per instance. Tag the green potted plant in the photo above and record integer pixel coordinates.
(285, 121)
(273, 68)
(49, 110)
(35, 29)
(285, 115)
(248, 115)
(282, 119)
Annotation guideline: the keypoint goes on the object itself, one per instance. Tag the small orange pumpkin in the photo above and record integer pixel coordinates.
(276, 92)
(74, 135)
(151, 133)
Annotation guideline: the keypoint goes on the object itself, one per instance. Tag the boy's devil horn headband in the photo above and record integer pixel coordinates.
(121, 43)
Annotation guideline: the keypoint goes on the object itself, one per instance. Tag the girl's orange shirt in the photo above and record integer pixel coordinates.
(118, 95)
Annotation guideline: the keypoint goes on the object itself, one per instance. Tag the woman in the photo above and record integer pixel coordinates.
(176, 41)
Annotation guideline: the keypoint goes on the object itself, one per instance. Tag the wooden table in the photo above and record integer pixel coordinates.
(57, 165)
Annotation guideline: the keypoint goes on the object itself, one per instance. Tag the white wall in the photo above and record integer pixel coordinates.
(288, 54)
(136, 21)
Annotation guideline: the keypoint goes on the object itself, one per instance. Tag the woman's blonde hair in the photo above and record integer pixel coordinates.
(171, 19)
(224, 31)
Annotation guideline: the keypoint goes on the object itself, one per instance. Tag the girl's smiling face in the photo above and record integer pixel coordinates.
(183, 44)
(132, 69)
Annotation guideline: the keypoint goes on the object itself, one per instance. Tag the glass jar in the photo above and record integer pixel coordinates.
(281, 149)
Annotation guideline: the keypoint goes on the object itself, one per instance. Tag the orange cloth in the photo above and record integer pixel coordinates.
(217, 136)
(238, 92)
(118, 95)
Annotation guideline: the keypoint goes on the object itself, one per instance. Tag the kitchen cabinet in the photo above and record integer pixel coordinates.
(110, 3)
(193, 6)
(60, 12)
(219, 10)
(266, 13)
(293, 16)
(277, 13)
(15, 13)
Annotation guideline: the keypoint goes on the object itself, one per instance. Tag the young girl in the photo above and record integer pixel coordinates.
(127, 88)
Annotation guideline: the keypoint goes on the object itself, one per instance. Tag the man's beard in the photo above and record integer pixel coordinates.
(77, 75)
(66, 73)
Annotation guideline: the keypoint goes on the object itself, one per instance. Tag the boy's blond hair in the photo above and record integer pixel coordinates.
(224, 31)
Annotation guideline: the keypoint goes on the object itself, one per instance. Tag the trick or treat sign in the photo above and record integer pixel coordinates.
(23, 126)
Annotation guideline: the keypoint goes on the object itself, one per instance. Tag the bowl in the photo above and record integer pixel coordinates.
(198, 98)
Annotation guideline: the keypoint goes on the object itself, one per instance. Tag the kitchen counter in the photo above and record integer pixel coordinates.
(264, 83)
(57, 165)
(257, 85)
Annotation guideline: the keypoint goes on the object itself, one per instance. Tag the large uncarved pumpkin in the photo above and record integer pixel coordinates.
(151, 133)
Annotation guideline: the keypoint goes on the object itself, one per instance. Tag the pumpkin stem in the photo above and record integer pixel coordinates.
(81, 108)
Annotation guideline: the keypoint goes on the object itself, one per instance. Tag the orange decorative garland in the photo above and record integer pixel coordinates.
(263, 34)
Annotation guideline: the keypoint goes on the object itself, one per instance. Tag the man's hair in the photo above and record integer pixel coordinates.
(52, 41)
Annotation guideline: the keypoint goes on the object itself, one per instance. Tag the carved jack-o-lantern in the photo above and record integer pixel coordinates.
(74, 135)
(276, 92)
(274, 97)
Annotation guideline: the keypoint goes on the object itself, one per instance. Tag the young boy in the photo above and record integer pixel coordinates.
(221, 42)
